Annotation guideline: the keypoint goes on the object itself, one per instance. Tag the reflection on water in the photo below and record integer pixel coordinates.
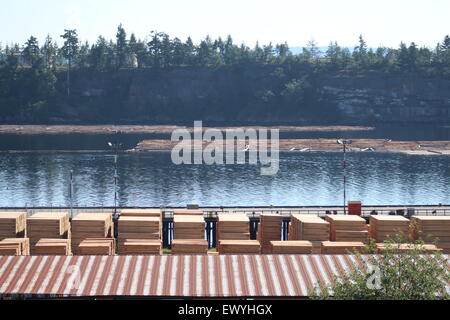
(42, 179)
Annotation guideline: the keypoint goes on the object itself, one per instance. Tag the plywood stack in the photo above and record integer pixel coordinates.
(187, 212)
(385, 227)
(309, 227)
(91, 225)
(331, 247)
(141, 212)
(188, 227)
(142, 228)
(291, 247)
(48, 225)
(239, 247)
(433, 229)
(53, 247)
(233, 227)
(347, 228)
(16, 246)
(140, 247)
(405, 247)
(269, 230)
(97, 247)
(13, 224)
(189, 246)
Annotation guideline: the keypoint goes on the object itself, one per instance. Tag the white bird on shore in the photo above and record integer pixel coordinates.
(293, 149)
(304, 149)
(368, 149)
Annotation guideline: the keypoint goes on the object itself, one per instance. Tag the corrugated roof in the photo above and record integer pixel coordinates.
(169, 276)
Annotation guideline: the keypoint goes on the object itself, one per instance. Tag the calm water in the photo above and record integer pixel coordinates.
(42, 179)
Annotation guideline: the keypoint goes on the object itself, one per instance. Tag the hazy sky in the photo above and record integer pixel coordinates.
(382, 22)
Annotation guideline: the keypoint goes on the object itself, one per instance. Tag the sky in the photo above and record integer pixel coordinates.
(381, 22)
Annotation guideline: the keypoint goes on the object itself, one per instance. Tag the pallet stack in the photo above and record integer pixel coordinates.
(433, 229)
(187, 227)
(187, 212)
(309, 227)
(145, 229)
(331, 247)
(347, 228)
(97, 247)
(233, 227)
(405, 247)
(48, 225)
(387, 227)
(269, 229)
(141, 247)
(189, 247)
(15, 246)
(239, 247)
(91, 225)
(291, 247)
(141, 213)
(53, 247)
(13, 224)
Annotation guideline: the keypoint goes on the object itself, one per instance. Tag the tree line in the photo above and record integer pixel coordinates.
(31, 74)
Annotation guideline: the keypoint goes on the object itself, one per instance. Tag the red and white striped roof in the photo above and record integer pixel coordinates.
(169, 276)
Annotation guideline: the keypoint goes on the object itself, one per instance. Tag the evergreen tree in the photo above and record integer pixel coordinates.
(70, 51)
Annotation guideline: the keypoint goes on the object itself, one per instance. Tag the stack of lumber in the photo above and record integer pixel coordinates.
(433, 229)
(187, 212)
(91, 225)
(291, 247)
(269, 230)
(53, 247)
(331, 247)
(12, 224)
(405, 247)
(16, 246)
(188, 227)
(142, 228)
(347, 228)
(385, 227)
(309, 227)
(141, 212)
(48, 225)
(189, 246)
(239, 247)
(140, 247)
(233, 227)
(97, 247)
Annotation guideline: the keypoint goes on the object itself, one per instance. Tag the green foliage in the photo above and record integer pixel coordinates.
(392, 274)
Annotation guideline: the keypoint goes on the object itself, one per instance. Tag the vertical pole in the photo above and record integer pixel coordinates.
(115, 184)
(71, 194)
(345, 181)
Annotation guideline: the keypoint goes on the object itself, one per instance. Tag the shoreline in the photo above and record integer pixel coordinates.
(157, 129)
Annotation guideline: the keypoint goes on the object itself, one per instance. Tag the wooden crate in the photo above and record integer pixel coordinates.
(232, 227)
(97, 246)
(269, 229)
(291, 247)
(22, 243)
(53, 247)
(141, 247)
(309, 227)
(432, 228)
(143, 228)
(384, 227)
(239, 247)
(189, 247)
(347, 228)
(141, 212)
(12, 224)
(47, 225)
(188, 227)
(91, 225)
(332, 247)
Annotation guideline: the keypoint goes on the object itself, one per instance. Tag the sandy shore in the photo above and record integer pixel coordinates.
(161, 129)
(306, 145)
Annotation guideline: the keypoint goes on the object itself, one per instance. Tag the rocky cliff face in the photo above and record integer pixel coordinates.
(256, 94)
